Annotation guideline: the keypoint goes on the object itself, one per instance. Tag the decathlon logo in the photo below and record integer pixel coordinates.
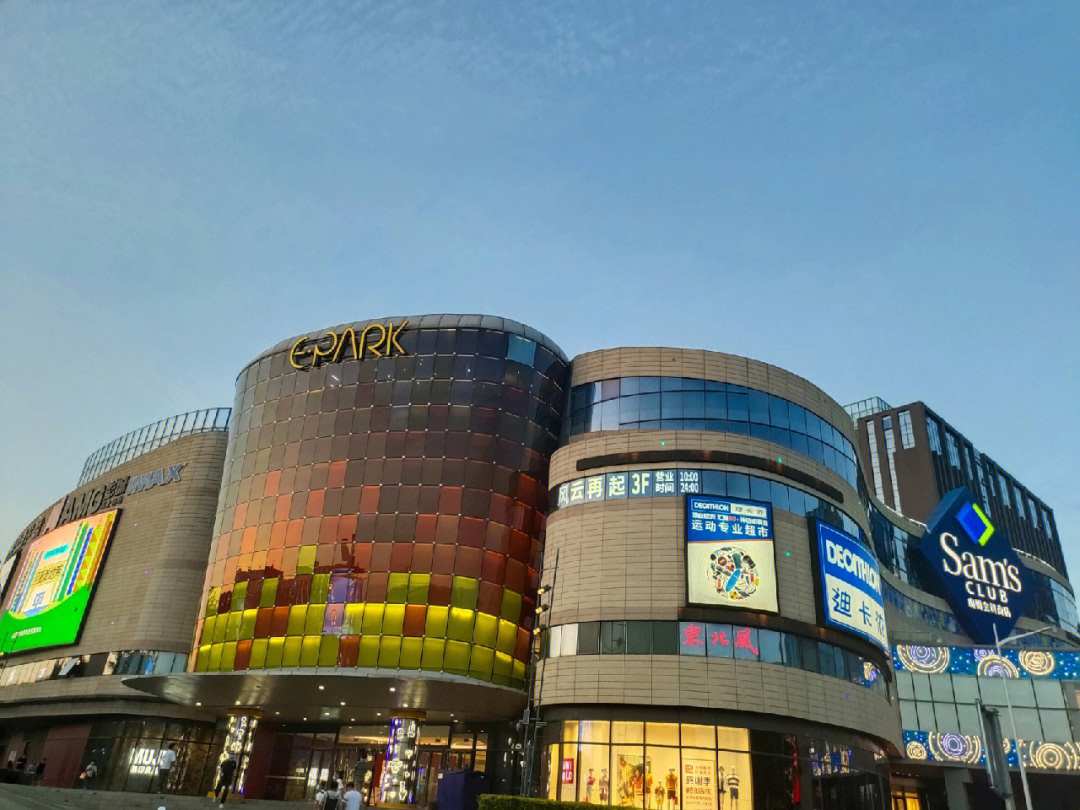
(975, 523)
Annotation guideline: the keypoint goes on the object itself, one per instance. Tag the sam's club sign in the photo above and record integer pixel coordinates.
(980, 575)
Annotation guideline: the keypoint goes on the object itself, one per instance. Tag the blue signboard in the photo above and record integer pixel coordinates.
(729, 553)
(977, 570)
(850, 585)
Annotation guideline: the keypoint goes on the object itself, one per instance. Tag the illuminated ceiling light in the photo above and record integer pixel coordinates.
(378, 714)
(343, 703)
(277, 712)
(305, 719)
(238, 703)
(198, 703)
(321, 687)
(393, 688)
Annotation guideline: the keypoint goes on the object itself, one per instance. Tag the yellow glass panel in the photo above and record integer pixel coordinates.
(290, 656)
(309, 651)
(297, 618)
(214, 665)
(435, 626)
(418, 588)
(313, 625)
(212, 597)
(482, 660)
(221, 624)
(320, 589)
(353, 623)
(305, 560)
(228, 656)
(274, 648)
(519, 670)
(209, 623)
(232, 631)
(268, 595)
(507, 639)
(486, 630)
(460, 625)
(464, 592)
(393, 619)
(456, 658)
(203, 660)
(372, 619)
(397, 589)
(328, 651)
(503, 668)
(511, 605)
(258, 654)
(369, 652)
(247, 623)
(433, 654)
(389, 651)
(412, 650)
(239, 593)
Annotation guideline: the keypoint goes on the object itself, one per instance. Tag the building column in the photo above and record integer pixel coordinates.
(956, 781)
(398, 784)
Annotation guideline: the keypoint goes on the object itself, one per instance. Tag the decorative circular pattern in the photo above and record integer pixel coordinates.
(930, 660)
(1051, 756)
(733, 573)
(997, 666)
(951, 747)
(915, 750)
(1038, 662)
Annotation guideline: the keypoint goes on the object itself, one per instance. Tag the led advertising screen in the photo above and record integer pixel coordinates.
(850, 585)
(51, 589)
(729, 553)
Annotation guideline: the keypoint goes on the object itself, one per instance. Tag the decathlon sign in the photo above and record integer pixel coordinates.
(850, 585)
(980, 575)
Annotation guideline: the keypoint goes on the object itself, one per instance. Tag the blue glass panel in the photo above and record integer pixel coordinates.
(649, 406)
(760, 431)
(648, 385)
(760, 489)
(714, 482)
(778, 412)
(779, 495)
(631, 385)
(715, 405)
(797, 417)
(759, 407)
(738, 485)
(671, 405)
(738, 407)
(629, 409)
(671, 383)
(693, 404)
(798, 443)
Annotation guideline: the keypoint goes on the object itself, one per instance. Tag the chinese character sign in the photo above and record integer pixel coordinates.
(850, 585)
(698, 782)
(729, 553)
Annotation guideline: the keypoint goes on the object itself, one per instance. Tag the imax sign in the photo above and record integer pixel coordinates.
(980, 575)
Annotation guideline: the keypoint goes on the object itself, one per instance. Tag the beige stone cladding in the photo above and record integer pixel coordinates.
(718, 683)
(147, 592)
(624, 560)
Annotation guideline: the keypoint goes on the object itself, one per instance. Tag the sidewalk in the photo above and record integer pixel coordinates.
(23, 797)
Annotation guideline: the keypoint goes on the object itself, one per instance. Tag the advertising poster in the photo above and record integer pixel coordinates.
(851, 585)
(628, 778)
(729, 553)
(699, 781)
(51, 589)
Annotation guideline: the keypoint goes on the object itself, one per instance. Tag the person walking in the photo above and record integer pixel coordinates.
(89, 773)
(166, 759)
(226, 773)
(39, 770)
(352, 798)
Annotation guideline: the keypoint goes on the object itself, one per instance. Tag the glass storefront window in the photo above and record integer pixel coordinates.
(627, 732)
(662, 733)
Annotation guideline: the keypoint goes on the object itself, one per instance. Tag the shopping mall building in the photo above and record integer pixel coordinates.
(643, 577)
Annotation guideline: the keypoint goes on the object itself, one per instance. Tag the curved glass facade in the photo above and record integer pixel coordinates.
(150, 437)
(387, 512)
(687, 403)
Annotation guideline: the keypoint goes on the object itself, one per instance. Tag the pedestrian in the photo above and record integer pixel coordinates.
(226, 772)
(86, 778)
(166, 759)
(320, 795)
(20, 763)
(39, 770)
(353, 800)
(332, 798)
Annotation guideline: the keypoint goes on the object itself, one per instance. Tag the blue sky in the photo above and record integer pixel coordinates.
(882, 198)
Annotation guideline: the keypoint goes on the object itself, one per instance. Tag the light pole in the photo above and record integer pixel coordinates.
(1008, 703)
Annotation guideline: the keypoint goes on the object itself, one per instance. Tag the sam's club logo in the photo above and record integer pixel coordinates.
(975, 523)
(979, 574)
